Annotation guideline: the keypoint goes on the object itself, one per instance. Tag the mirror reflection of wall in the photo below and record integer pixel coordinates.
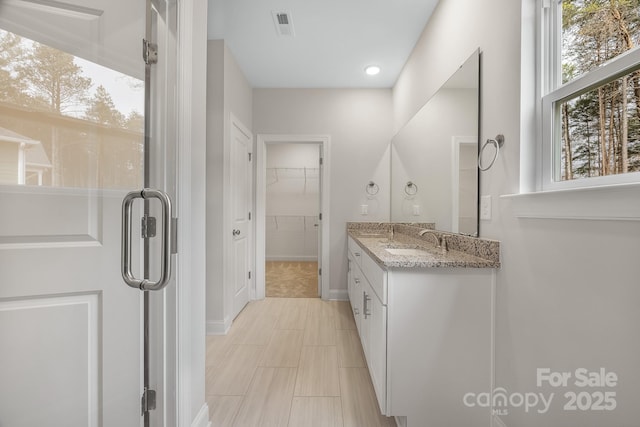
(437, 151)
(292, 202)
(465, 217)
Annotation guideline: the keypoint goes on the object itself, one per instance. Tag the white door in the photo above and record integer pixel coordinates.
(70, 150)
(241, 151)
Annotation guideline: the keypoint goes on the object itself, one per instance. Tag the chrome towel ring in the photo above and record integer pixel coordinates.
(498, 142)
(372, 188)
(411, 189)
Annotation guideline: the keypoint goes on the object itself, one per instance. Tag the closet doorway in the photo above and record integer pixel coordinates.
(291, 216)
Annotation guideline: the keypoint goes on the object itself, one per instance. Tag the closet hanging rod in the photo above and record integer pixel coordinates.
(305, 219)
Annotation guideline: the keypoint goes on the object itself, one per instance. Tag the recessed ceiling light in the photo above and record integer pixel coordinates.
(372, 70)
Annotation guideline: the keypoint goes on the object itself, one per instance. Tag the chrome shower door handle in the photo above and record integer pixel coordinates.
(165, 261)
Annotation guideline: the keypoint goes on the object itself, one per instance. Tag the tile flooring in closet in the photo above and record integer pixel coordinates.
(291, 279)
(291, 362)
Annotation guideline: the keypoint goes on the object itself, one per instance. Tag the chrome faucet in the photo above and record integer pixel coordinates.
(440, 242)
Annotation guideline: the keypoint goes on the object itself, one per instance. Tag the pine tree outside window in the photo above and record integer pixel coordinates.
(60, 125)
(590, 116)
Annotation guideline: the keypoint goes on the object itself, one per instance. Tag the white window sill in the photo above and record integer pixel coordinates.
(619, 202)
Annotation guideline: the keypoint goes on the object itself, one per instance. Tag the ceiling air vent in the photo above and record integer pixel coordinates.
(284, 24)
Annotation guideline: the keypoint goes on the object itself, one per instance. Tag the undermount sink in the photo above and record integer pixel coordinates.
(406, 251)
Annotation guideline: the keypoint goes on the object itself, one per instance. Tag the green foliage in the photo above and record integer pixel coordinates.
(52, 76)
(594, 31)
(102, 109)
(11, 88)
(605, 122)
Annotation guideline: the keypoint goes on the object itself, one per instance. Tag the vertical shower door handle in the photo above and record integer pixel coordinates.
(165, 261)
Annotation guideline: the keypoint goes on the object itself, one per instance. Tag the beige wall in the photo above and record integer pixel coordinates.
(568, 290)
(9, 162)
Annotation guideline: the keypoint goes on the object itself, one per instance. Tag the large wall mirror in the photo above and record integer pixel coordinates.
(434, 173)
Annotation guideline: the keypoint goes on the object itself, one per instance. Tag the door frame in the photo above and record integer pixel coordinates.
(324, 141)
(187, 304)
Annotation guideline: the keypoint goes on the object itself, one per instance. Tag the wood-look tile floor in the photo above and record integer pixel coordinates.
(291, 362)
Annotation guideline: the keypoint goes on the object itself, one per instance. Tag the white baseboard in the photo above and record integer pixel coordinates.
(291, 258)
(202, 419)
(337, 295)
(496, 421)
(218, 327)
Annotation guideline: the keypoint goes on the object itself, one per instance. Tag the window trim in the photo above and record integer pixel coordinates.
(619, 202)
(553, 92)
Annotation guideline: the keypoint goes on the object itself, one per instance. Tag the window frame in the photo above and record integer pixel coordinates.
(554, 92)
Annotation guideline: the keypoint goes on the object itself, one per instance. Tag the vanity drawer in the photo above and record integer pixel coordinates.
(376, 276)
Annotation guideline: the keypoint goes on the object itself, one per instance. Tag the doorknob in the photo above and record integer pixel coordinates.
(236, 232)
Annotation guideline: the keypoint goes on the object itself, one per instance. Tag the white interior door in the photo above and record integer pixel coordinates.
(241, 149)
(71, 330)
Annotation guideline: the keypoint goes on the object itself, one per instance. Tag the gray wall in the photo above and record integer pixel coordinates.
(228, 92)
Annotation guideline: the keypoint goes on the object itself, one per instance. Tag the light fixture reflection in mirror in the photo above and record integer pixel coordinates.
(436, 151)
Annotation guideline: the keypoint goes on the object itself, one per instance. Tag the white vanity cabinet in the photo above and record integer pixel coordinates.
(355, 281)
(373, 334)
(426, 334)
(367, 293)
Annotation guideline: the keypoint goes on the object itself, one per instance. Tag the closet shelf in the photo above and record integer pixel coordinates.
(292, 222)
(274, 175)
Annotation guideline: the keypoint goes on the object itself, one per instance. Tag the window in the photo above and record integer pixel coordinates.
(590, 93)
(66, 121)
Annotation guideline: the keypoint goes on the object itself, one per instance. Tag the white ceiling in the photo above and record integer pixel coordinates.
(334, 40)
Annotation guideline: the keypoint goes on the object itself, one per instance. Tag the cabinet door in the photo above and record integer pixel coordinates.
(355, 295)
(365, 319)
(350, 280)
(377, 348)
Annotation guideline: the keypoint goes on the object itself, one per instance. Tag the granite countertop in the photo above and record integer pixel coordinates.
(376, 243)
